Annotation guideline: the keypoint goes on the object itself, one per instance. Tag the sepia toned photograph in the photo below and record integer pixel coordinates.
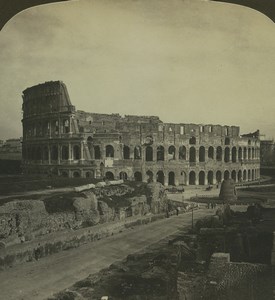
(137, 152)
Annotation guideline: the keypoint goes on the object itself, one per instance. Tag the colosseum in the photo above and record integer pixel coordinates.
(59, 140)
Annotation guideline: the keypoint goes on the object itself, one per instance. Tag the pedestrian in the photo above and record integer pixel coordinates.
(177, 210)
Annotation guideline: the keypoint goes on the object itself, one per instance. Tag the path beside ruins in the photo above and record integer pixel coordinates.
(40, 279)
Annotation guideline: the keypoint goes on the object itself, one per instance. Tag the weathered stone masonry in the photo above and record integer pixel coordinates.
(61, 141)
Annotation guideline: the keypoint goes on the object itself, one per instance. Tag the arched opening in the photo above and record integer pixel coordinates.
(137, 152)
(182, 178)
(149, 175)
(253, 175)
(192, 141)
(171, 178)
(192, 178)
(211, 152)
(244, 153)
(97, 152)
(249, 153)
(171, 153)
(64, 174)
(202, 154)
(160, 153)
(240, 154)
(227, 141)
(160, 177)
(123, 175)
(226, 154)
(76, 174)
(66, 126)
(54, 152)
(182, 152)
(249, 175)
(234, 175)
(244, 175)
(240, 176)
(76, 152)
(201, 178)
(219, 176)
(110, 151)
(210, 176)
(126, 152)
(138, 176)
(65, 153)
(249, 142)
(253, 153)
(192, 154)
(219, 153)
(109, 175)
(234, 154)
(226, 175)
(149, 153)
(89, 174)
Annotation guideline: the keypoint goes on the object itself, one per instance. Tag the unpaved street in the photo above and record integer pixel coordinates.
(40, 279)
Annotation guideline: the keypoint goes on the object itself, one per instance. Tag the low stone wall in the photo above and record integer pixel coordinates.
(58, 241)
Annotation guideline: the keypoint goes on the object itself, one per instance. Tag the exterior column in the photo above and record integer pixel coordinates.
(82, 151)
(58, 153)
(70, 153)
(165, 179)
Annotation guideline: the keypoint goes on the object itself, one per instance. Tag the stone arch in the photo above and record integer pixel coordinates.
(65, 174)
(211, 152)
(226, 175)
(89, 174)
(76, 152)
(249, 153)
(149, 153)
(201, 178)
(160, 177)
(240, 154)
(109, 151)
(192, 178)
(234, 154)
(171, 152)
(219, 176)
(210, 177)
(234, 175)
(192, 154)
(171, 178)
(137, 152)
(65, 153)
(149, 175)
(76, 174)
(160, 153)
(123, 175)
(244, 153)
(192, 141)
(109, 175)
(182, 178)
(219, 153)
(201, 154)
(226, 154)
(253, 174)
(138, 176)
(249, 174)
(182, 152)
(97, 152)
(126, 152)
(240, 177)
(244, 175)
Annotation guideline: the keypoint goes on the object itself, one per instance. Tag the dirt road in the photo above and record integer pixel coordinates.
(40, 279)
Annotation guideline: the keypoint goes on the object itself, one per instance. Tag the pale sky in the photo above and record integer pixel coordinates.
(185, 61)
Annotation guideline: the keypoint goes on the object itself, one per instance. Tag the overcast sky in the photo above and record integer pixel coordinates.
(185, 61)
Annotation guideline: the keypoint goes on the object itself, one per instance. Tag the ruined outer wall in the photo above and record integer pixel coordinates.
(142, 148)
